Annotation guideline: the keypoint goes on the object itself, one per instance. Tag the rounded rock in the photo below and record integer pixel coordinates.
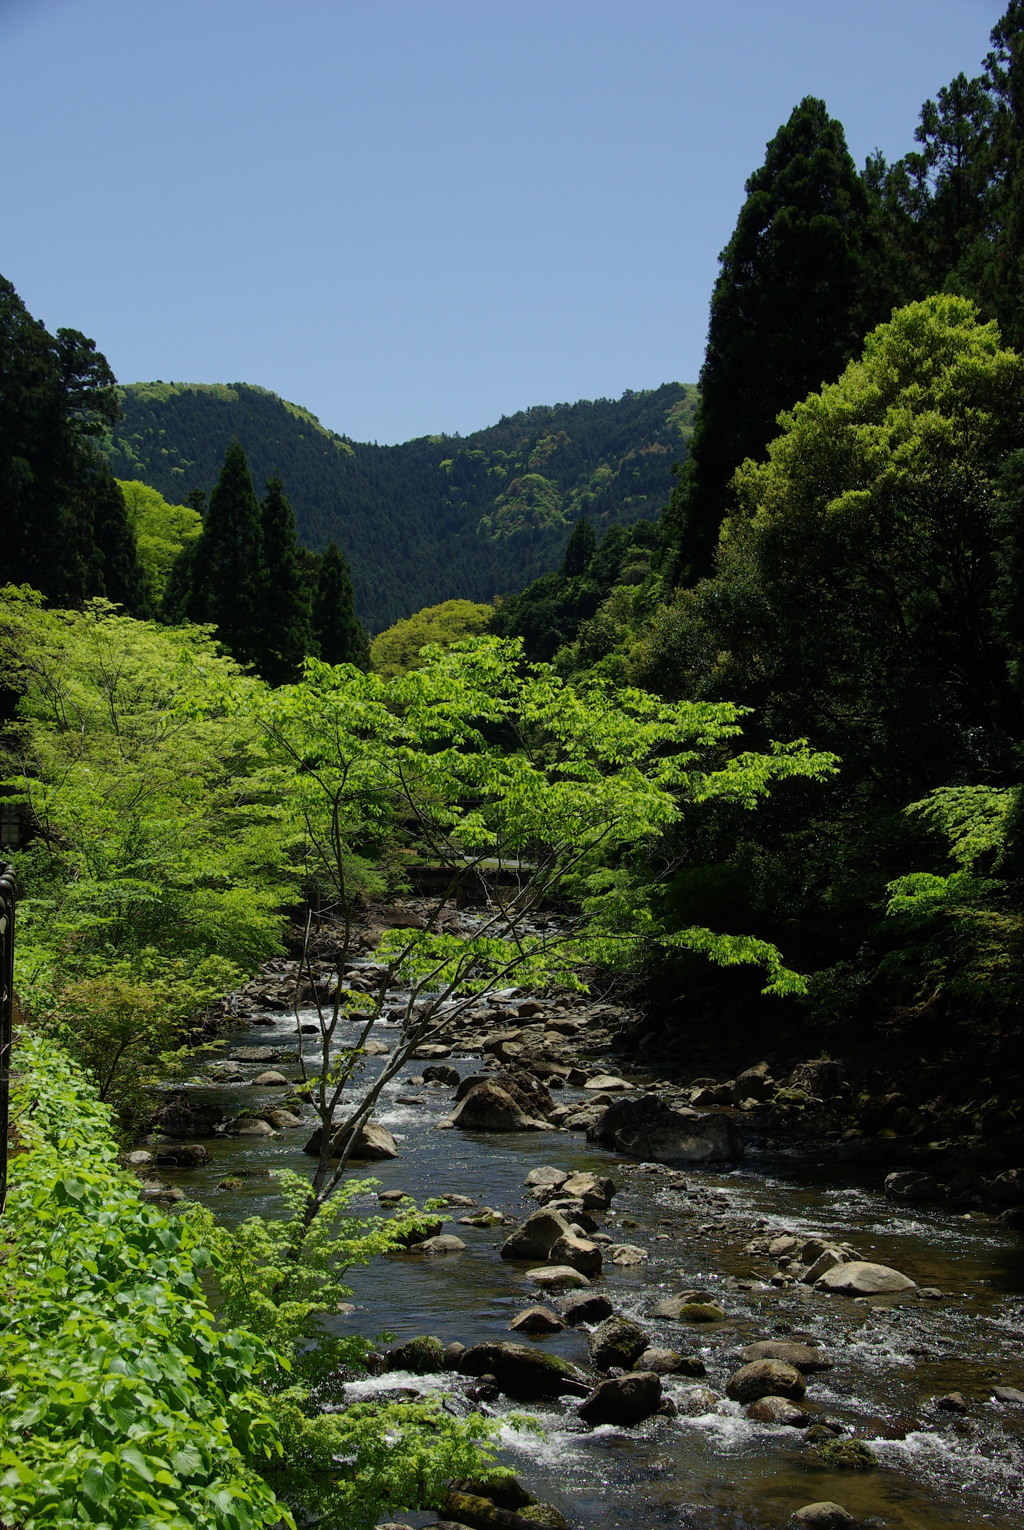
(765, 1378)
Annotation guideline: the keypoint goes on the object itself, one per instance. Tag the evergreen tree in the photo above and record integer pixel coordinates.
(787, 312)
(338, 631)
(1000, 284)
(65, 527)
(580, 550)
(286, 633)
(221, 575)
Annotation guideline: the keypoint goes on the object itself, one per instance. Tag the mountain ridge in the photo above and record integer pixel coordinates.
(434, 518)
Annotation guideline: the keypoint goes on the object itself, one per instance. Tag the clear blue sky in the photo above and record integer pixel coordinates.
(414, 216)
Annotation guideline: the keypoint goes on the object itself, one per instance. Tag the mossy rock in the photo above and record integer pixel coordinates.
(545, 1514)
(423, 1356)
(701, 1312)
(848, 1455)
(232, 1182)
(501, 1487)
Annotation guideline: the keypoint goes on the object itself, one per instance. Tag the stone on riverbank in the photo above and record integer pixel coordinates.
(537, 1236)
(765, 1378)
(422, 1356)
(594, 1190)
(557, 1277)
(646, 1127)
(580, 1253)
(481, 1513)
(546, 1176)
(441, 1243)
(778, 1410)
(665, 1362)
(623, 1400)
(617, 1341)
(487, 1107)
(537, 1320)
(804, 1357)
(824, 1516)
(684, 1309)
(584, 1309)
(858, 1277)
(372, 1141)
(523, 1372)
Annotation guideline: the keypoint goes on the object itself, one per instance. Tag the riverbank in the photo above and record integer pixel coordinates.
(717, 1230)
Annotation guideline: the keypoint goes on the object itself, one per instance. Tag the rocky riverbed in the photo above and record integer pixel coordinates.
(730, 1338)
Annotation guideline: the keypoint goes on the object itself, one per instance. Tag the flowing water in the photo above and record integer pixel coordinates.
(938, 1470)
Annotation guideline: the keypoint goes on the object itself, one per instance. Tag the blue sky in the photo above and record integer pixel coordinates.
(414, 216)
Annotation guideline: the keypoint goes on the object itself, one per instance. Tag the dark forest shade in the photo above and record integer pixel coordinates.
(65, 528)
(787, 313)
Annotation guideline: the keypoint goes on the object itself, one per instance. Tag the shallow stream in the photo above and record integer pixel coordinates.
(893, 1357)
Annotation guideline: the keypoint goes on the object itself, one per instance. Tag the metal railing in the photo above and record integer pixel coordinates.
(7, 902)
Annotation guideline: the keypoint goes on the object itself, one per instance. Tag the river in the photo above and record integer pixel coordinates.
(892, 1357)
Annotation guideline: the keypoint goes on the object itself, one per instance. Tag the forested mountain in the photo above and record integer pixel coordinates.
(434, 518)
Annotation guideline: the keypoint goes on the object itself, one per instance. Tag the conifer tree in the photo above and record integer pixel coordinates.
(222, 571)
(286, 635)
(65, 528)
(579, 550)
(787, 313)
(338, 631)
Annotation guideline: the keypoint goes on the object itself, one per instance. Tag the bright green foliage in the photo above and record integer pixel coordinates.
(787, 312)
(481, 764)
(161, 860)
(65, 529)
(285, 636)
(122, 1406)
(223, 569)
(338, 633)
(161, 531)
(478, 760)
(397, 650)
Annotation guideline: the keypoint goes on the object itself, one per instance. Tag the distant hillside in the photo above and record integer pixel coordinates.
(432, 519)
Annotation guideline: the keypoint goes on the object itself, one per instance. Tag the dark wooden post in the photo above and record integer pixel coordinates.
(7, 900)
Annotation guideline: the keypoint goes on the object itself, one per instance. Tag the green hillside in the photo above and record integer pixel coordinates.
(434, 518)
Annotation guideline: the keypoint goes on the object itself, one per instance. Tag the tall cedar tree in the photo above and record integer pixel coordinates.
(220, 578)
(580, 550)
(787, 313)
(1000, 284)
(66, 530)
(338, 631)
(286, 635)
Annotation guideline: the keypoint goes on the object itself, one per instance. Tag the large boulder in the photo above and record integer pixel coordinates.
(579, 1253)
(537, 1236)
(858, 1277)
(480, 1513)
(766, 1378)
(623, 1400)
(372, 1142)
(423, 1355)
(805, 1357)
(488, 1107)
(546, 1177)
(557, 1277)
(617, 1341)
(646, 1127)
(584, 1309)
(524, 1372)
(753, 1084)
(182, 1116)
(778, 1410)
